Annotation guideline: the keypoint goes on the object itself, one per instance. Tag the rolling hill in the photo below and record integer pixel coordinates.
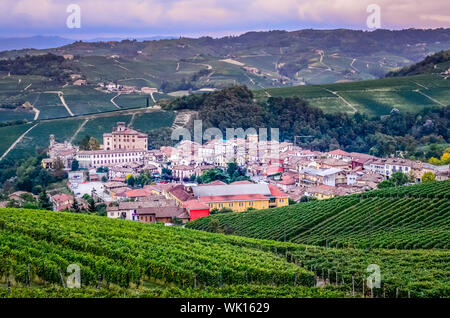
(147, 260)
(414, 217)
(373, 98)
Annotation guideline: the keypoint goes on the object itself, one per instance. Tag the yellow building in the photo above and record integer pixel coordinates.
(240, 197)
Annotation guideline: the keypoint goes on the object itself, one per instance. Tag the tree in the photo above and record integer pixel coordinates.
(399, 178)
(94, 144)
(75, 207)
(84, 143)
(434, 161)
(428, 177)
(75, 165)
(130, 180)
(91, 205)
(386, 184)
(44, 201)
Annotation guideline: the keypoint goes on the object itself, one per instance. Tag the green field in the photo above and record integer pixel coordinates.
(156, 261)
(10, 134)
(154, 120)
(413, 217)
(38, 137)
(375, 97)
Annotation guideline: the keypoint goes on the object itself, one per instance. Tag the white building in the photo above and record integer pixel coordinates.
(104, 158)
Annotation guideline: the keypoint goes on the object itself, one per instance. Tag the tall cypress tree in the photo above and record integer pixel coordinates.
(75, 207)
(44, 201)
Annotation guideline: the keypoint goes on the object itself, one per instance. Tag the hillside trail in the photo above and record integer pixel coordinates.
(78, 130)
(61, 98)
(429, 97)
(16, 142)
(354, 110)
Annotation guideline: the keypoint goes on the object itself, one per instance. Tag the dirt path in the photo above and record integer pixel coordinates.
(27, 87)
(36, 112)
(354, 110)
(351, 65)
(78, 130)
(130, 124)
(429, 97)
(16, 142)
(61, 97)
(114, 103)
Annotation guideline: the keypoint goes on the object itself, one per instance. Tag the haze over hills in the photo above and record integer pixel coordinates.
(47, 42)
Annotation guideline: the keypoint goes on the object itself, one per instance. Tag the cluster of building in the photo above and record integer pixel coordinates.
(278, 171)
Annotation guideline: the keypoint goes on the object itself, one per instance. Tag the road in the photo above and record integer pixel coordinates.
(113, 102)
(16, 142)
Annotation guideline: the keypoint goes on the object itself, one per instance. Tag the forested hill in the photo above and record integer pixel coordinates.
(236, 107)
(433, 64)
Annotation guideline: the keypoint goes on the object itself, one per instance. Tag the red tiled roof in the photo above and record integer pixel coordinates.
(138, 193)
(62, 197)
(195, 205)
(180, 193)
(275, 191)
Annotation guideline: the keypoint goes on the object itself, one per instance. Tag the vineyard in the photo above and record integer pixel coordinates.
(121, 258)
(414, 217)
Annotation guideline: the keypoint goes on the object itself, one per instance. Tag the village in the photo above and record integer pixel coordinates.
(275, 174)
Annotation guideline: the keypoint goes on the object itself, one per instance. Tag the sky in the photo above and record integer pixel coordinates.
(140, 18)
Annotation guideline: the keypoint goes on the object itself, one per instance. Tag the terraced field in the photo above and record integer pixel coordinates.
(415, 217)
(375, 97)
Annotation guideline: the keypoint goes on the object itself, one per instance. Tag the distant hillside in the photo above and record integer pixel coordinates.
(373, 98)
(414, 217)
(256, 59)
(33, 42)
(433, 64)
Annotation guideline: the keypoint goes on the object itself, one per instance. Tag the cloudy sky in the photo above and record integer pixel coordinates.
(100, 18)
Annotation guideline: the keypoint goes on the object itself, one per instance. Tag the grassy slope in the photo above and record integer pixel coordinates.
(375, 97)
(408, 218)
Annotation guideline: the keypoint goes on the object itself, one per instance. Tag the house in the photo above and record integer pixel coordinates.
(129, 210)
(334, 163)
(388, 166)
(164, 214)
(340, 155)
(196, 209)
(139, 193)
(179, 194)
(315, 177)
(61, 202)
(183, 171)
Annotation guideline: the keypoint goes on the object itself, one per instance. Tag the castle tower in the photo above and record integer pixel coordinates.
(52, 140)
